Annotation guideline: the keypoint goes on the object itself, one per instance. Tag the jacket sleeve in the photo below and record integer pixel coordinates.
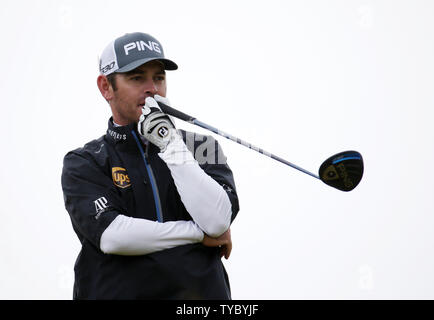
(90, 197)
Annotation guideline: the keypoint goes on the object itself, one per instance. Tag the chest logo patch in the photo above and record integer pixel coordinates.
(120, 177)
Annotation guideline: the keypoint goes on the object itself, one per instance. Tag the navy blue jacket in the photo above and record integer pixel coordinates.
(118, 174)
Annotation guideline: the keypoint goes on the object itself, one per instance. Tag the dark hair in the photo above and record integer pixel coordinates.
(111, 78)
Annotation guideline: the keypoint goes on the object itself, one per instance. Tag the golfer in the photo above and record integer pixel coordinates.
(151, 205)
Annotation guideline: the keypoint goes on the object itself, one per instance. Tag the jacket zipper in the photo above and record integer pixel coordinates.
(151, 176)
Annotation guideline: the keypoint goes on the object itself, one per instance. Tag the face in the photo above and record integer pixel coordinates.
(132, 88)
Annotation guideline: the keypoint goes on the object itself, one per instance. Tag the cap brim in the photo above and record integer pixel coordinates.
(168, 64)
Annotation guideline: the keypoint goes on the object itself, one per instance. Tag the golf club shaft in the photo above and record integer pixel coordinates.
(251, 146)
(180, 115)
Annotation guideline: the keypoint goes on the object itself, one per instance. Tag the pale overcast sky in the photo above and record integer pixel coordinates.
(301, 79)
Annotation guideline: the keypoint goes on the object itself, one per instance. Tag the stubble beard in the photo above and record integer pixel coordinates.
(126, 111)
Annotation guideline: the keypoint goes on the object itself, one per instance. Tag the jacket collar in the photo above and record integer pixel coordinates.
(120, 134)
(123, 136)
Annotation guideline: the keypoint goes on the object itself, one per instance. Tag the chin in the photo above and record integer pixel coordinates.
(137, 117)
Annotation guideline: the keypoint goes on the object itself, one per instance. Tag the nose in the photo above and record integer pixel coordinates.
(150, 88)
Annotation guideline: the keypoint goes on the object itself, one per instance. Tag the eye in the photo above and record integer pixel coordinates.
(136, 78)
(159, 78)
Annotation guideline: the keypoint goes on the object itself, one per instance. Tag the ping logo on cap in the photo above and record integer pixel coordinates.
(141, 46)
(120, 177)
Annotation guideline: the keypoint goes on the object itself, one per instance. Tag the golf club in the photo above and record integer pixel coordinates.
(342, 171)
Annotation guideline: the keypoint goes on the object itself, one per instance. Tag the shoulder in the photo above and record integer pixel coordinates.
(195, 140)
(205, 148)
(190, 134)
(94, 151)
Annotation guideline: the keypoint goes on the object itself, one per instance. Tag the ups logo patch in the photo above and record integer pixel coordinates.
(120, 177)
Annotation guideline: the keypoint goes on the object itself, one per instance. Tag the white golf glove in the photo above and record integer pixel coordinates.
(159, 129)
(154, 125)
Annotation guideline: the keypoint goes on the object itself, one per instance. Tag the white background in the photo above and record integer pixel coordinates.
(302, 79)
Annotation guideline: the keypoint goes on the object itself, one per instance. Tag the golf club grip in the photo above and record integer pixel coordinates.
(176, 113)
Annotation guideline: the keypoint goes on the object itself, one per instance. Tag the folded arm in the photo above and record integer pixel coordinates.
(135, 236)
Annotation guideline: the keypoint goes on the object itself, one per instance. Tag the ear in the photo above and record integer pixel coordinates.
(104, 87)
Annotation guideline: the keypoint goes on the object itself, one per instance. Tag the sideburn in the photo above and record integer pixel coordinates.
(111, 78)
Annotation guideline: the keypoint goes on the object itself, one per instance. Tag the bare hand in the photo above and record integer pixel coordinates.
(224, 242)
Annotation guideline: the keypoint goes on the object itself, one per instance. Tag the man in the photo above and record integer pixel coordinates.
(151, 205)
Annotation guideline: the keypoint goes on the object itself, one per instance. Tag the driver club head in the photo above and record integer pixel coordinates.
(342, 171)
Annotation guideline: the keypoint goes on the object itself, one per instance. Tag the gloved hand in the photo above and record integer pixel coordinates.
(159, 129)
(154, 125)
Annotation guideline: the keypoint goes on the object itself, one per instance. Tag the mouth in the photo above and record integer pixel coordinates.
(142, 100)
